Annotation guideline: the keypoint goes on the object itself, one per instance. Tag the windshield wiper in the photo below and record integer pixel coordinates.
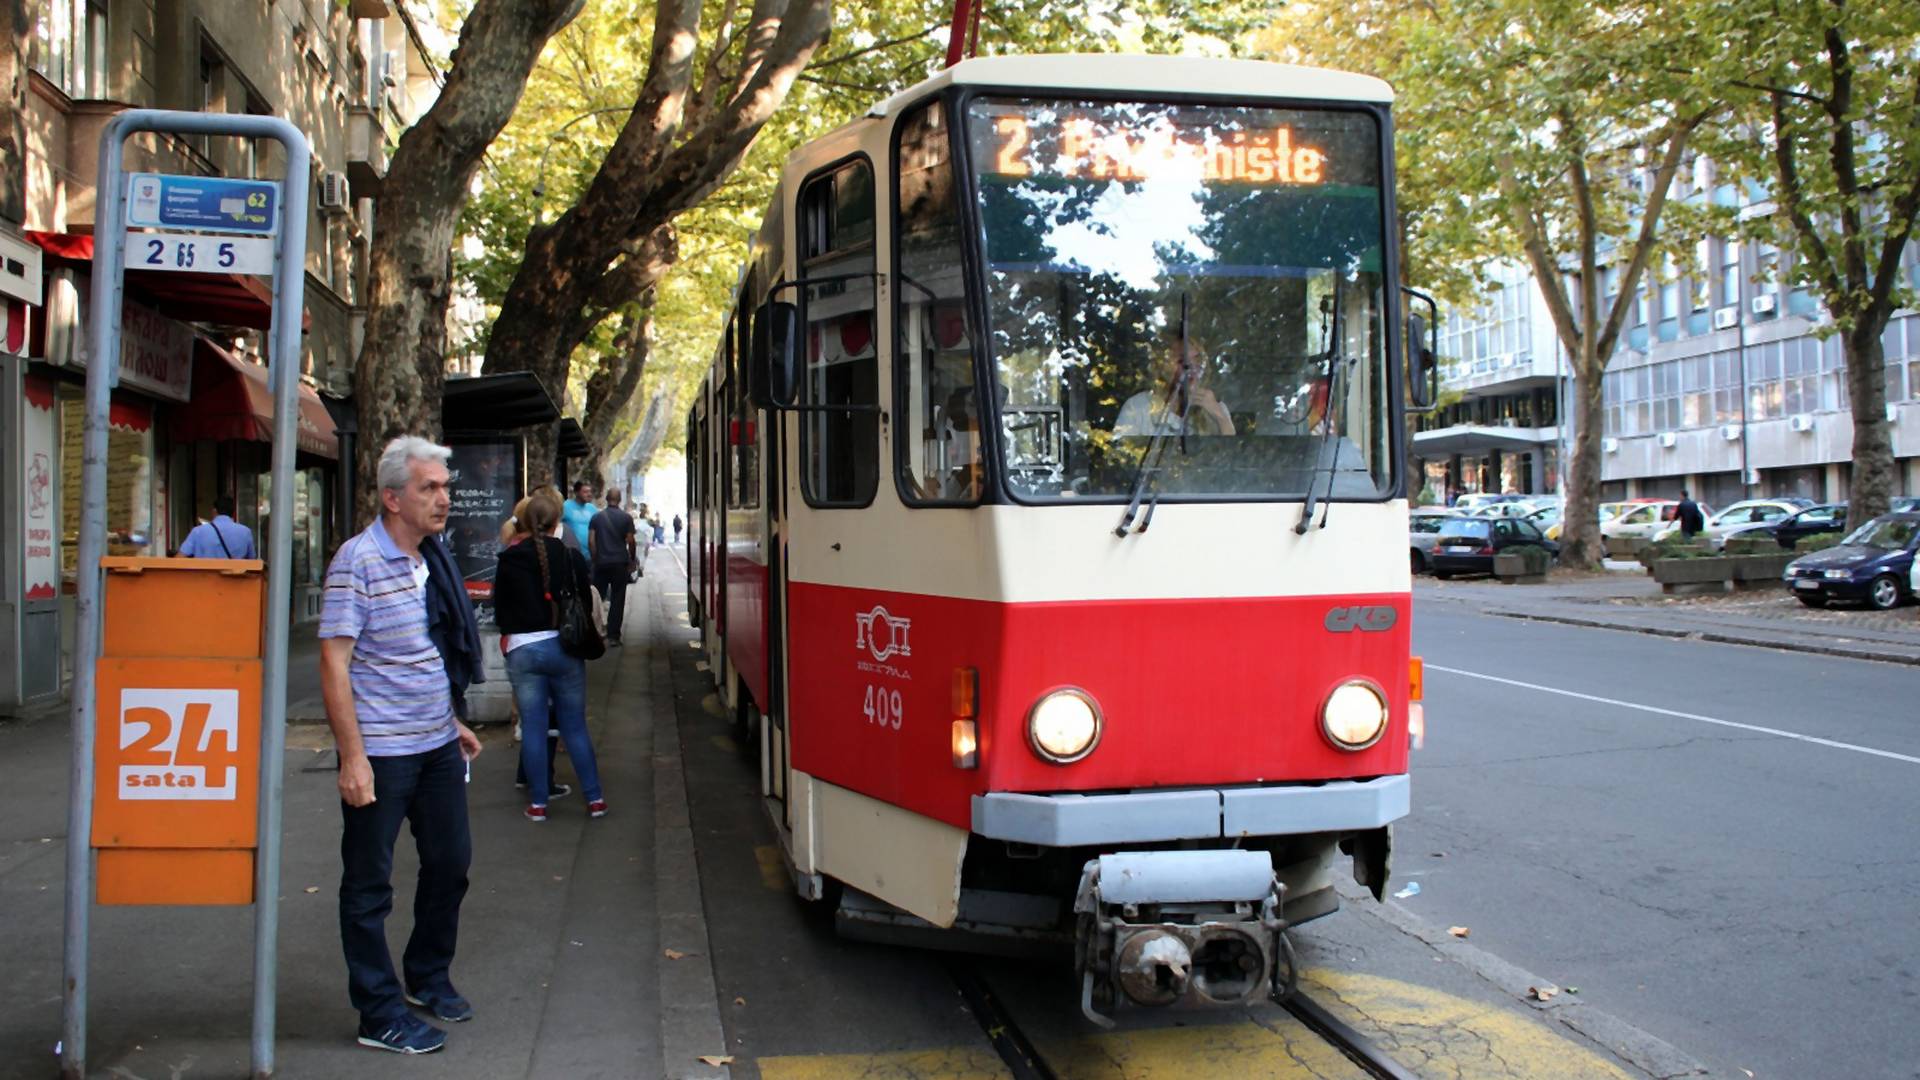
(1150, 458)
(1336, 363)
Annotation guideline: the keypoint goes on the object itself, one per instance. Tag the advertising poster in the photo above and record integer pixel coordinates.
(42, 581)
(486, 476)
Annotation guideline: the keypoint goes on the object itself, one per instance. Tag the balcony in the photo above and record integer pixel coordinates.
(366, 149)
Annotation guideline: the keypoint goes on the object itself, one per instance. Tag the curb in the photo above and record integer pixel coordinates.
(1649, 1053)
(689, 1001)
(1718, 637)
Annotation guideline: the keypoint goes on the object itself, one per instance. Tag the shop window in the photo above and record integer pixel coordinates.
(939, 411)
(130, 480)
(840, 435)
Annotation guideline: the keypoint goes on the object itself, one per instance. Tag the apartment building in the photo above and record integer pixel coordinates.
(192, 417)
(1723, 382)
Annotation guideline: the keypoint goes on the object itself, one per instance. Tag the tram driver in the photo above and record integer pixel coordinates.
(1156, 409)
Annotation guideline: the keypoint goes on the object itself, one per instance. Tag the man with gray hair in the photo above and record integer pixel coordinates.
(398, 647)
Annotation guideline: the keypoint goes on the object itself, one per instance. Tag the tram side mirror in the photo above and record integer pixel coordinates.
(1423, 354)
(774, 372)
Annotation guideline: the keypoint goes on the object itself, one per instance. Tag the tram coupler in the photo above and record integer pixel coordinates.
(1194, 929)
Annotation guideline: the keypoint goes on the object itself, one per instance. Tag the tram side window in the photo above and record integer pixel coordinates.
(939, 417)
(840, 445)
(743, 488)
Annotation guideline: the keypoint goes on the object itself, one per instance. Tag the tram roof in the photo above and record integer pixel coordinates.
(1149, 75)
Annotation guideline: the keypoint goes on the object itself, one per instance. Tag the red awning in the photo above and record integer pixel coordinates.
(231, 400)
(227, 299)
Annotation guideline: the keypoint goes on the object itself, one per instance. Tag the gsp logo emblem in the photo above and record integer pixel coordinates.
(882, 634)
(1371, 617)
(179, 744)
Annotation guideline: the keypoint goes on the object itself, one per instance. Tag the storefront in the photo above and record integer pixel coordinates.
(190, 420)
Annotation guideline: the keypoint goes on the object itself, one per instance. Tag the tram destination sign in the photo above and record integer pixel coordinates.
(203, 203)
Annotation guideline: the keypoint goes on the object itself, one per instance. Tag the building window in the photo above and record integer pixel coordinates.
(1698, 275)
(1729, 272)
(72, 46)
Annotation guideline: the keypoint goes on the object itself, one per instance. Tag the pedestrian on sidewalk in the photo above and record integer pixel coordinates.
(527, 581)
(611, 545)
(579, 511)
(677, 524)
(398, 647)
(1691, 520)
(220, 538)
(511, 534)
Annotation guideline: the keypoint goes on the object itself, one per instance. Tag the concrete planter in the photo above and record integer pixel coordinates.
(1522, 565)
(1760, 571)
(1684, 577)
(1625, 547)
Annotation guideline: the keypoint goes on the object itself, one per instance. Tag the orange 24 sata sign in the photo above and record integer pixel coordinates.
(1082, 150)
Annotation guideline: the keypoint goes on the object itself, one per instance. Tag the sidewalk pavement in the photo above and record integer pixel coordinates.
(562, 935)
(1632, 601)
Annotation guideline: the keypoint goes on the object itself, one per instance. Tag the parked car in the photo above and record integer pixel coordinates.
(1474, 500)
(1467, 545)
(1423, 528)
(1509, 508)
(1830, 518)
(1873, 564)
(1741, 515)
(1638, 519)
(1547, 520)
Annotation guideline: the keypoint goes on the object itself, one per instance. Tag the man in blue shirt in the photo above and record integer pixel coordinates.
(221, 538)
(578, 512)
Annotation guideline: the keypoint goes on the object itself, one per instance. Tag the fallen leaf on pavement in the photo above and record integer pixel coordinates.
(676, 954)
(717, 1059)
(1439, 854)
(739, 1001)
(1749, 1072)
(1542, 993)
(1458, 931)
(313, 888)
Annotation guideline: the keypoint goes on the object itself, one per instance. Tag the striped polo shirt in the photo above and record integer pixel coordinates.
(376, 595)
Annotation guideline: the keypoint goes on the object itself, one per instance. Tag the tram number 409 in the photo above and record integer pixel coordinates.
(884, 707)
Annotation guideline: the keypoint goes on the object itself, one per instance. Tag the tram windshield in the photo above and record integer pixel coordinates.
(1192, 290)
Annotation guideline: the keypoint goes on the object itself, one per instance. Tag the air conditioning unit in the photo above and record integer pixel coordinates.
(1668, 438)
(1763, 305)
(334, 192)
(393, 67)
(1800, 422)
(1730, 432)
(1610, 446)
(1726, 317)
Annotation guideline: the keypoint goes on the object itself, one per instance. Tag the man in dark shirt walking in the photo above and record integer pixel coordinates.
(610, 543)
(1691, 520)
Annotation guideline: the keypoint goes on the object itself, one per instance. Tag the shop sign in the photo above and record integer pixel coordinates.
(156, 353)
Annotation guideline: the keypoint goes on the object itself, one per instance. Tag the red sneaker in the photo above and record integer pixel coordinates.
(597, 808)
(536, 813)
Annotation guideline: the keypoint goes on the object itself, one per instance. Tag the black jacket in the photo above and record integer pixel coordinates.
(520, 604)
(450, 622)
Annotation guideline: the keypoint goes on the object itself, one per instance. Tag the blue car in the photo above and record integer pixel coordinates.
(1872, 565)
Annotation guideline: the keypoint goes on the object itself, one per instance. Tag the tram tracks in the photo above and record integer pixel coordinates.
(1025, 1061)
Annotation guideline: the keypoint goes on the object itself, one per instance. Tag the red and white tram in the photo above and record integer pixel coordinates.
(1049, 511)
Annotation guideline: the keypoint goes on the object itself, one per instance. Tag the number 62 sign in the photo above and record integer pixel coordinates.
(199, 253)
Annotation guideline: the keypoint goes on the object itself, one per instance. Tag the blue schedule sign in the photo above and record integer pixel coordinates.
(203, 203)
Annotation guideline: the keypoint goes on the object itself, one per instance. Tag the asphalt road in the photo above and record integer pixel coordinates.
(1712, 842)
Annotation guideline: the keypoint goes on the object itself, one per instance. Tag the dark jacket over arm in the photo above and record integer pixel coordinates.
(450, 623)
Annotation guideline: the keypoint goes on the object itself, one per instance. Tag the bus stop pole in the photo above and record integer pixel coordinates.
(283, 367)
(103, 373)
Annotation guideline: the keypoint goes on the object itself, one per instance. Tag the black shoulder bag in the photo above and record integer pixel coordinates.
(578, 635)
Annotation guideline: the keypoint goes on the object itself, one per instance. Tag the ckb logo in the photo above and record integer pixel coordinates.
(882, 634)
(179, 744)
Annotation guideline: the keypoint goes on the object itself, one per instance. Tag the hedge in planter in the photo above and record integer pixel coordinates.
(1525, 563)
(1691, 575)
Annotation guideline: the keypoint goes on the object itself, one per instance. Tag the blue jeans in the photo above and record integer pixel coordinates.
(430, 791)
(543, 674)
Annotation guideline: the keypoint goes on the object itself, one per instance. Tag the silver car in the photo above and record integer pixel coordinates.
(1423, 530)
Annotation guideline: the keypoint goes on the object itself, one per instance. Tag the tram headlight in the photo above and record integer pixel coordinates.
(1064, 725)
(1355, 715)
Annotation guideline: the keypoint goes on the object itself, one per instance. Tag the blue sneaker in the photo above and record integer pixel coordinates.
(404, 1034)
(445, 1004)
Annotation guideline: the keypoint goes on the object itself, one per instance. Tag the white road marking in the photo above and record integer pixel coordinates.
(1796, 736)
